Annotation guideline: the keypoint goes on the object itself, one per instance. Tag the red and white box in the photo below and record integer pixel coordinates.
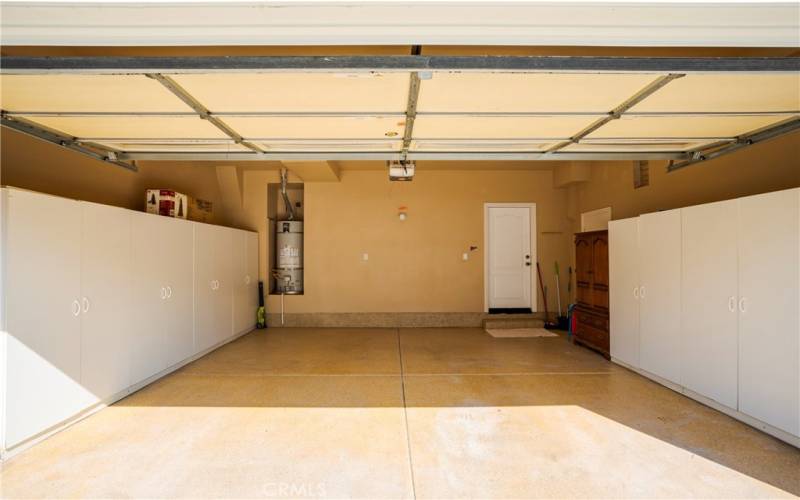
(167, 202)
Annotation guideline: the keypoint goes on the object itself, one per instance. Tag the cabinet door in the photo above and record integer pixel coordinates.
(205, 286)
(769, 326)
(223, 300)
(148, 354)
(42, 248)
(241, 304)
(106, 296)
(660, 293)
(252, 258)
(709, 289)
(623, 262)
(179, 304)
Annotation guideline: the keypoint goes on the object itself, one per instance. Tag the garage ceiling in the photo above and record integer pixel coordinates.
(503, 111)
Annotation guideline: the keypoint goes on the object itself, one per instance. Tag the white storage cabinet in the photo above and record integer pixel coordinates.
(99, 300)
(718, 305)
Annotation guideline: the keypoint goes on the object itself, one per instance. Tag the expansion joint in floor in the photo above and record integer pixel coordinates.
(405, 412)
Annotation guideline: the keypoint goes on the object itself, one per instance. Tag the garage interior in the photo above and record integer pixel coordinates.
(419, 217)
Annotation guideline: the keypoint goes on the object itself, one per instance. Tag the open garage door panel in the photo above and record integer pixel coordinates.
(397, 113)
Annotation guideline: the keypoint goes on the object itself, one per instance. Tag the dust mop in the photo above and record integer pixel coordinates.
(558, 290)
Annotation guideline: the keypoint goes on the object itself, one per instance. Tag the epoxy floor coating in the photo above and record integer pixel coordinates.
(388, 413)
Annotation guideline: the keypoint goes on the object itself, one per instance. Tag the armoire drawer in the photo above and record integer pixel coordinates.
(596, 322)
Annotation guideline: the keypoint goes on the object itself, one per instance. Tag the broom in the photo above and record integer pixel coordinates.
(547, 323)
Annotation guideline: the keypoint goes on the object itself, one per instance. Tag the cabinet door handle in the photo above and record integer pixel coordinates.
(86, 305)
(641, 291)
(743, 304)
(163, 293)
(247, 280)
(169, 292)
(76, 308)
(216, 284)
(732, 304)
(213, 285)
(636, 292)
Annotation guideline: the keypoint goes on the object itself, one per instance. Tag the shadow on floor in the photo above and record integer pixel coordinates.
(465, 369)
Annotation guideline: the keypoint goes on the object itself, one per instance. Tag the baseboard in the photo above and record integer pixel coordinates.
(742, 417)
(6, 454)
(384, 320)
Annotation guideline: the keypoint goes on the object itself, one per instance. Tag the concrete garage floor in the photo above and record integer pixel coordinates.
(386, 413)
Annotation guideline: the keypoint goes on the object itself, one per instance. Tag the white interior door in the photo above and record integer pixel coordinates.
(179, 281)
(660, 294)
(769, 308)
(148, 353)
(709, 290)
(43, 283)
(509, 257)
(106, 299)
(624, 281)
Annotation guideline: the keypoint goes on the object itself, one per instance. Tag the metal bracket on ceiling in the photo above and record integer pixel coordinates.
(743, 141)
(617, 112)
(411, 114)
(71, 143)
(201, 110)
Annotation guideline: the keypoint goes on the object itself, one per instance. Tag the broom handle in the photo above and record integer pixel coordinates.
(544, 295)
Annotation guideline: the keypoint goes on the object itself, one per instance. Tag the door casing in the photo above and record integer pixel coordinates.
(534, 252)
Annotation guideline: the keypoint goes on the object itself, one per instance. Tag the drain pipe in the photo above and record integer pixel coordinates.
(283, 294)
(286, 202)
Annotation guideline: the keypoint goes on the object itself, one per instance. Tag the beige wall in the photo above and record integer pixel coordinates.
(761, 168)
(769, 166)
(415, 265)
(30, 163)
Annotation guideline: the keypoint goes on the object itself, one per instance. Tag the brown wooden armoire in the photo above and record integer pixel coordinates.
(591, 291)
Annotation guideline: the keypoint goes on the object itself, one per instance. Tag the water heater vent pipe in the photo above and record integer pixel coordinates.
(286, 202)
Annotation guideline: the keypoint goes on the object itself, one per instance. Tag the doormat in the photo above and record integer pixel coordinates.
(520, 332)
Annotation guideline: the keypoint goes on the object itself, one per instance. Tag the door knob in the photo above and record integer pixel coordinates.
(527, 263)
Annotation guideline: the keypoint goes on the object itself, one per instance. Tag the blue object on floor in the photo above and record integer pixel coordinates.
(569, 318)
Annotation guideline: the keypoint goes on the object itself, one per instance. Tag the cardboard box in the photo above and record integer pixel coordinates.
(199, 210)
(167, 202)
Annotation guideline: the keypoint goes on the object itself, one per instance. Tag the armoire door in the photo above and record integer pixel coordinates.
(583, 270)
(179, 339)
(148, 353)
(106, 299)
(660, 294)
(709, 290)
(43, 313)
(600, 271)
(623, 262)
(769, 299)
